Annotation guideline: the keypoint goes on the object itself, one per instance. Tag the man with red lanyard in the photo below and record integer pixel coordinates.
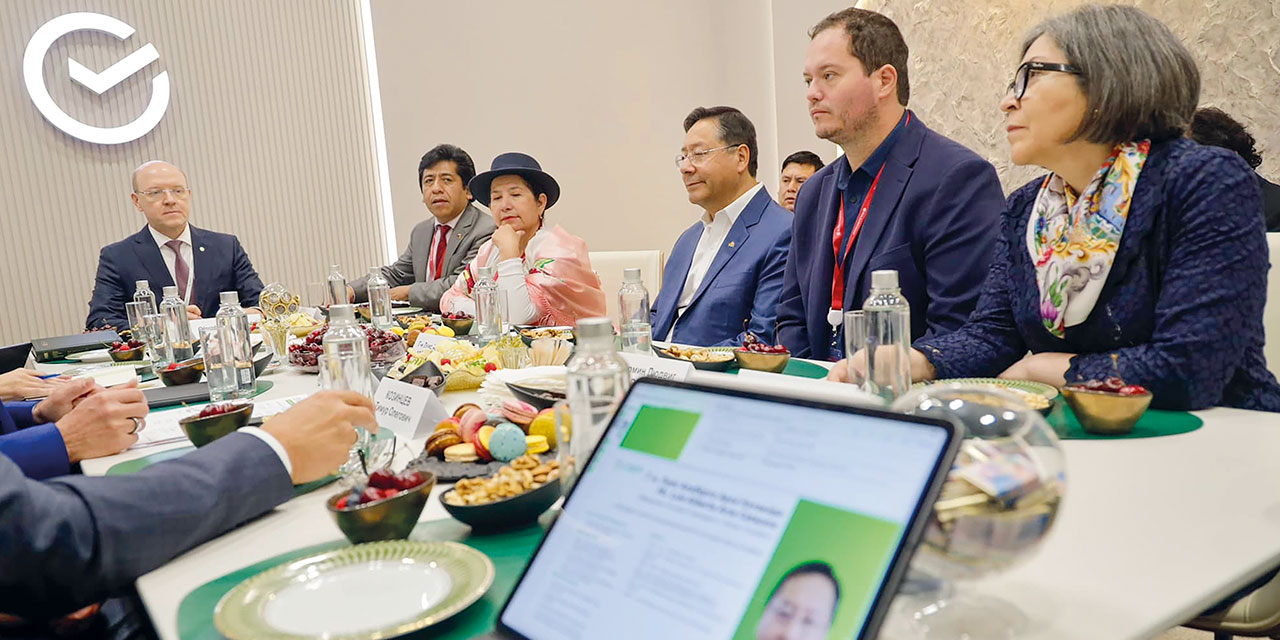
(443, 245)
(903, 197)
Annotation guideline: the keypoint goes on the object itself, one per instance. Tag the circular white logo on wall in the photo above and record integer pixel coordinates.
(99, 83)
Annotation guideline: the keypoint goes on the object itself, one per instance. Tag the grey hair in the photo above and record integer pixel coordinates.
(1139, 79)
(133, 177)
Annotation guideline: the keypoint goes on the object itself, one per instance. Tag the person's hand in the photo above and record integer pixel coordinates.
(103, 423)
(351, 295)
(193, 312)
(508, 242)
(921, 368)
(63, 399)
(400, 293)
(318, 432)
(20, 384)
(1049, 368)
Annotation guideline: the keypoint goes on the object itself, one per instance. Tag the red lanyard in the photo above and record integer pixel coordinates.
(837, 240)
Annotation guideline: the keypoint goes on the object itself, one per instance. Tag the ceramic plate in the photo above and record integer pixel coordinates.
(365, 592)
(97, 355)
(1039, 388)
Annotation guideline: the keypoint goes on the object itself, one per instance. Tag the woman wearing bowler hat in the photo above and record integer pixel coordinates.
(544, 273)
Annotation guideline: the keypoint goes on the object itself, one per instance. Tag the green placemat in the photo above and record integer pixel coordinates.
(509, 551)
(138, 464)
(1153, 424)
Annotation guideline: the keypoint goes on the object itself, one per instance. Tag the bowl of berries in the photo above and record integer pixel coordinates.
(180, 373)
(761, 356)
(305, 355)
(459, 321)
(126, 351)
(384, 508)
(1107, 407)
(215, 421)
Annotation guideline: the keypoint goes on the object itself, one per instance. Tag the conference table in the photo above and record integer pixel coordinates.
(1150, 532)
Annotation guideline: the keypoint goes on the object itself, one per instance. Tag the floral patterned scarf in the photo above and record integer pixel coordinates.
(1073, 239)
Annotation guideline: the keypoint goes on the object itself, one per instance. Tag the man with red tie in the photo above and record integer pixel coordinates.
(441, 246)
(169, 252)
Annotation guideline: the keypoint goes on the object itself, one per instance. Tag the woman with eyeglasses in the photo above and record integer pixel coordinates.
(1141, 255)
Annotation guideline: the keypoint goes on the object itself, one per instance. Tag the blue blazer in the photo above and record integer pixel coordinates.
(741, 286)
(37, 449)
(934, 219)
(220, 265)
(1181, 307)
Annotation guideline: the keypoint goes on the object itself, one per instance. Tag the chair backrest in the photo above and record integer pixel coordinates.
(1271, 313)
(609, 265)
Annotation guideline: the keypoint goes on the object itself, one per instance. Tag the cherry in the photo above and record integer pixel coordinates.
(383, 479)
(490, 367)
(1133, 390)
(219, 409)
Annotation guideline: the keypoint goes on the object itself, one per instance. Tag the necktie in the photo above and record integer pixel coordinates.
(441, 242)
(180, 269)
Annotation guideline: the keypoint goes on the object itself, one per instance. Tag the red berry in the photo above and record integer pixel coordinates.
(490, 367)
(1133, 390)
(444, 361)
(383, 479)
(370, 494)
(411, 479)
(341, 503)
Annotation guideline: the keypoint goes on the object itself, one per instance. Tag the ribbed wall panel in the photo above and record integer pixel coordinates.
(269, 116)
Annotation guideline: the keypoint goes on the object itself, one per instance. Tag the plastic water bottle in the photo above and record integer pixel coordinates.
(346, 368)
(379, 299)
(233, 329)
(142, 293)
(337, 284)
(488, 313)
(174, 311)
(597, 379)
(888, 337)
(633, 308)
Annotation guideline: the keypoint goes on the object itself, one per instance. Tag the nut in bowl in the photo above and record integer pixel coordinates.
(387, 508)
(1107, 407)
(701, 358)
(515, 496)
(215, 421)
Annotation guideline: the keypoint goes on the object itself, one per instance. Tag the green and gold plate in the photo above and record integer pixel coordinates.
(365, 592)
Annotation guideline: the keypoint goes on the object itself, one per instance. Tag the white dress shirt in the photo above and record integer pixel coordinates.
(512, 285)
(170, 260)
(274, 444)
(714, 232)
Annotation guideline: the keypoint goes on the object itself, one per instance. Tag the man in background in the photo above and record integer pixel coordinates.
(169, 252)
(1215, 128)
(441, 246)
(796, 169)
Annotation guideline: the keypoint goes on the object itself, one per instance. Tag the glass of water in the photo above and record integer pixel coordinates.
(155, 333)
(379, 448)
(855, 348)
(135, 312)
(219, 365)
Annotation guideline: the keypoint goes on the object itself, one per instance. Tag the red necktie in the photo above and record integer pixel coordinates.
(180, 272)
(442, 240)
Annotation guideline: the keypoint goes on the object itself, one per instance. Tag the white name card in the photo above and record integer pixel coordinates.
(654, 367)
(408, 411)
(428, 340)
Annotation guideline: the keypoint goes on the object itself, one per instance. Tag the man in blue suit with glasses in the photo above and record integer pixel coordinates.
(725, 272)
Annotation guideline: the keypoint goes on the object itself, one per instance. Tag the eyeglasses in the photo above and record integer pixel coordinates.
(698, 158)
(1019, 85)
(179, 193)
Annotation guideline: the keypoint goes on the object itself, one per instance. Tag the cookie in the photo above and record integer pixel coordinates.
(460, 453)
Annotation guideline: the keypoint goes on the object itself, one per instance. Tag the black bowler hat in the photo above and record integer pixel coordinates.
(515, 164)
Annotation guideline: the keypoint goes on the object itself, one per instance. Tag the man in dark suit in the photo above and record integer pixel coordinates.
(169, 252)
(725, 271)
(71, 541)
(902, 197)
(442, 246)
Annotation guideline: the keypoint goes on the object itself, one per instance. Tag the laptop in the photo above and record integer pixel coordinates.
(710, 512)
(14, 357)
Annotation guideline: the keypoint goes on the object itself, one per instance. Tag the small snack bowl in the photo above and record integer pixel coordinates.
(507, 513)
(1106, 412)
(187, 372)
(771, 362)
(127, 355)
(202, 431)
(460, 326)
(391, 518)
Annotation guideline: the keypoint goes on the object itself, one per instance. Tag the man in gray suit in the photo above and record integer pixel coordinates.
(74, 540)
(440, 247)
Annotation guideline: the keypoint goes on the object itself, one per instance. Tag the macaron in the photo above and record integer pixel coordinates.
(449, 423)
(521, 413)
(460, 453)
(507, 442)
(481, 443)
(536, 444)
(463, 408)
(495, 419)
(544, 424)
(470, 422)
(441, 440)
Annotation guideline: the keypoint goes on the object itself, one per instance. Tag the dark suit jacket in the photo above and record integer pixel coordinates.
(1181, 306)
(220, 265)
(742, 284)
(470, 229)
(1270, 203)
(934, 219)
(67, 542)
(37, 448)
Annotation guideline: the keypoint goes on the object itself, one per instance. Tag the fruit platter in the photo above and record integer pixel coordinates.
(462, 363)
(473, 442)
(385, 350)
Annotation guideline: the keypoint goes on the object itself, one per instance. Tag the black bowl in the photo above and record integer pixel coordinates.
(702, 366)
(187, 373)
(539, 398)
(127, 355)
(387, 519)
(260, 364)
(460, 326)
(202, 431)
(511, 512)
(566, 333)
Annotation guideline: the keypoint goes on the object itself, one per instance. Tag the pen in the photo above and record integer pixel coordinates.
(49, 375)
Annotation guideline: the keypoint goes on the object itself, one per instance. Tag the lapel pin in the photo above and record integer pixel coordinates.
(202, 248)
(730, 243)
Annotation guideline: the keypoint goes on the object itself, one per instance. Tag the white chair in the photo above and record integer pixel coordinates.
(609, 265)
(1271, 313)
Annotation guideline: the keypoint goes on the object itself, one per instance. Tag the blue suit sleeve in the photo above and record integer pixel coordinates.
(792, 330)
(247, 282)
(39, 451)
(764, 307)
(67, 542)
(106, 307)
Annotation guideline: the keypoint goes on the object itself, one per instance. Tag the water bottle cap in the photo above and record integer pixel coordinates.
(884, 279)
(170, 292)
(142, 284)
(229, 297)
(342, 312)
(333, 267)
(594, 329)
(485, 272)
(632, 275)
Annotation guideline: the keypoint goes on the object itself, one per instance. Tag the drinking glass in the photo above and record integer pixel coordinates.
(566, 454)
(135, 312)
(155, 332)
(317, 294)
(219, 365)
(378, 449)
(855, 347)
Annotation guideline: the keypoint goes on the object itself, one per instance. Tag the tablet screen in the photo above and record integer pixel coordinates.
(711, 514)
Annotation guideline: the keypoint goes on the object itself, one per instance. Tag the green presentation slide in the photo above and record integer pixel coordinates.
(820, 543)
(660, 431)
